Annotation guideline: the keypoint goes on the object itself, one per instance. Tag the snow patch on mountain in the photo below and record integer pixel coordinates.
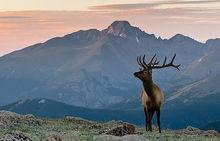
(19, 102)
(42, 101)
(137, 40)
(200, 60)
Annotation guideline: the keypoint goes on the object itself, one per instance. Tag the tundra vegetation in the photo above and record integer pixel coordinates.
(72, 128)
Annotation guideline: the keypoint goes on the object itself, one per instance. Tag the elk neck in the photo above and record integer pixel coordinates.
(148, 87)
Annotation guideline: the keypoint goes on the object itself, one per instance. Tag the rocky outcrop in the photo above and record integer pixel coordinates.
(15, 137)
(196, 131)
(122, 130)
(10, 118)
(118, 129)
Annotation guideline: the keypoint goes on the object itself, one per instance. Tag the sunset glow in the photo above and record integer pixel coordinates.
(25, 22)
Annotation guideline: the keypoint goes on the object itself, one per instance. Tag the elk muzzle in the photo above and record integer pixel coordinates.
(136, 74)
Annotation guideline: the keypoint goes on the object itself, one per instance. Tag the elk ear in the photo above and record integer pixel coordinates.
(140, 69)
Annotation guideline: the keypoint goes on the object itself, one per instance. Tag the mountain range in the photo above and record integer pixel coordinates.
(46, 108)
(94, 69)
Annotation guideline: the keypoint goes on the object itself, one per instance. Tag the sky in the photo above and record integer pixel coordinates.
(26, 22)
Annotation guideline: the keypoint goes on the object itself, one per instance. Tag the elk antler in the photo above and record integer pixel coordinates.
(139, 62)
(143, 64)
(151, 61)
(154, 65)
(143, 60)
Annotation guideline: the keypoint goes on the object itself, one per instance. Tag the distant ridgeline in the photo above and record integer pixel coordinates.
(130, 112)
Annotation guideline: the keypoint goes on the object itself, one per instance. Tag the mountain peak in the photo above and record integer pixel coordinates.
(213, 43)
(120, 24)
(119, 28)
(180, 37)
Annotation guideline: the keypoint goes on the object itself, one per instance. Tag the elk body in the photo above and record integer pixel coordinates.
(152, 97)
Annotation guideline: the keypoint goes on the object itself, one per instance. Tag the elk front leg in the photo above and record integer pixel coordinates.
(158, 120)
(150, 113)
(146, 118)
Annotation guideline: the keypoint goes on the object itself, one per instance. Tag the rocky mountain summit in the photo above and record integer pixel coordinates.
(74, 128)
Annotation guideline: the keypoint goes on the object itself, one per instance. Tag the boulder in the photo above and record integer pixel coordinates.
(121, 130)
(210, 133)
(196, 131)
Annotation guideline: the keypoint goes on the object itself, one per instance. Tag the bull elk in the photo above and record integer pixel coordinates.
(152, 97)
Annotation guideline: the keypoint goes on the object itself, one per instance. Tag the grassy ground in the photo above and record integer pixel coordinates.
(82, 130)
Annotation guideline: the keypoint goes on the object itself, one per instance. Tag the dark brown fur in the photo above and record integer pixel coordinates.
(152, 98)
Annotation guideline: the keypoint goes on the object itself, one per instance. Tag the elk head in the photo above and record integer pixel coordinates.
(145, 73)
